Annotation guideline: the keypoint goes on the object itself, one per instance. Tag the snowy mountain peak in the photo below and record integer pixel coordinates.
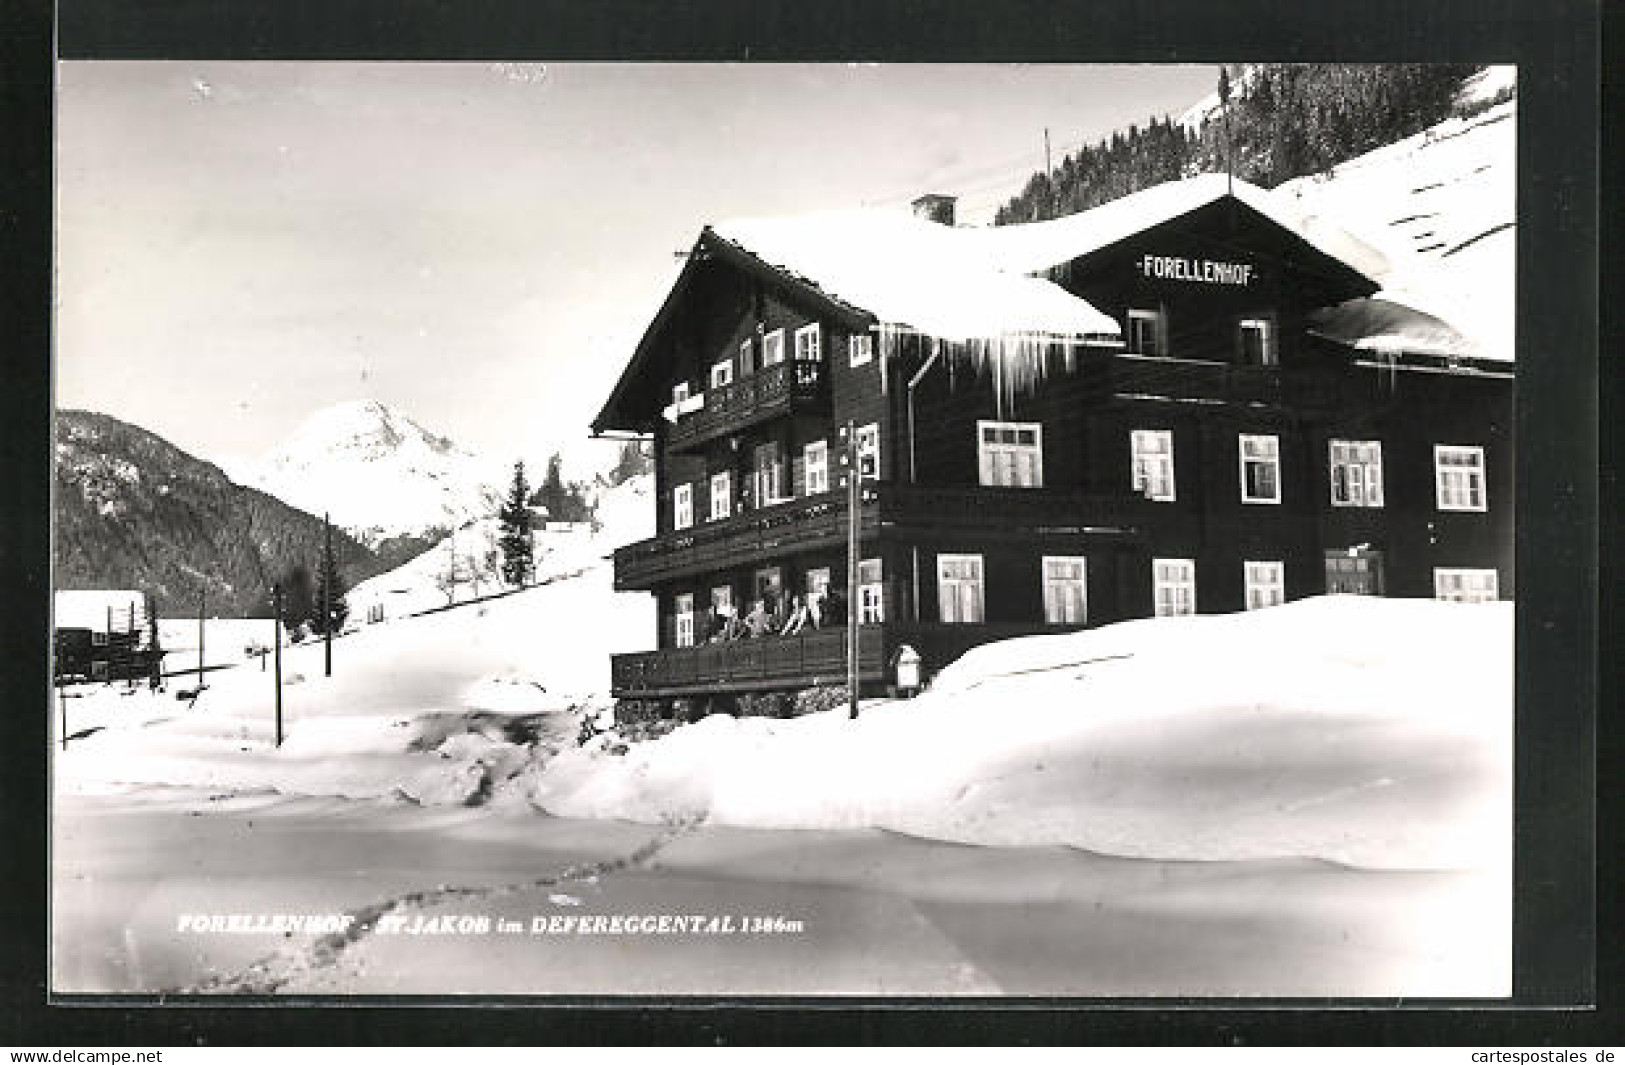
(379, 473)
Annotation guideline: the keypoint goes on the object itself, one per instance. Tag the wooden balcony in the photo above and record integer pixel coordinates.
(794, 386)
(896, 509)
(1199, 380)
(748, 665)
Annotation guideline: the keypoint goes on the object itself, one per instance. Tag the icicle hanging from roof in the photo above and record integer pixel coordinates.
(1018, 362)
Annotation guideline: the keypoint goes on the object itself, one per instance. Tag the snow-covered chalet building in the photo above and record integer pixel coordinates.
(1184, 400)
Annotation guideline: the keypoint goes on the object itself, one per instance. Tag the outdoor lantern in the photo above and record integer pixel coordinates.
(908, 670)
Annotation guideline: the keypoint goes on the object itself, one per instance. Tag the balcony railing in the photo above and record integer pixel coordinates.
(820, 521)
(1202, 380)
(745, 665)
(785, 387)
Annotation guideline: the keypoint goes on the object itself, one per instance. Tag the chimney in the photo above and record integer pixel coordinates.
(935, 207)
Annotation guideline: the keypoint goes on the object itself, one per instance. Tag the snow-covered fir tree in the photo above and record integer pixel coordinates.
(518, 549)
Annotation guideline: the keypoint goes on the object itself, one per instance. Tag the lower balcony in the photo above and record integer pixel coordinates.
(772, 662)
(810, 659)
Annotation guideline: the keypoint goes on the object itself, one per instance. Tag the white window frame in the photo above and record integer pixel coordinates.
(1265, 581)
(871, 592)
(860, 349)
(816, 582)
(809, 343)
(1142, 460)
(1058, 598)
(1265, 327)
(680, 393)
(989, 454)
(760, 481)
(1174, 594)
(869, 451)
(1361, 463)
(1445, 476)
(815, 466)
(1155, 318)
(772, 348)
(722, 373)
(724, 480)
(683, 619)
(948, 598)
(746, 367)
(1488, 589)
(682, 506)
(722, 598)
(1272, 459)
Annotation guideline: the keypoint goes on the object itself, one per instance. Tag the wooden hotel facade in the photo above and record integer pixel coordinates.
(1229, 417)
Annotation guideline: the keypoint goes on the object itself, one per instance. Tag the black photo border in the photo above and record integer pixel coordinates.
(1563, 401)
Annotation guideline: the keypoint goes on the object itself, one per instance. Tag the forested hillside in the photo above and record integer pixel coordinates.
(134, 511)
(1281, 121)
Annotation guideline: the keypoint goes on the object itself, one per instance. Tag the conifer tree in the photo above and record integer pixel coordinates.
(330, 590)
(518, 563)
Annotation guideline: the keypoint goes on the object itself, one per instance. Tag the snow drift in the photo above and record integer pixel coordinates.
(1366, 731)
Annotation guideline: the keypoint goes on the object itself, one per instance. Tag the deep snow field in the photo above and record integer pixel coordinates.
(1308, 800)
(1370, 732)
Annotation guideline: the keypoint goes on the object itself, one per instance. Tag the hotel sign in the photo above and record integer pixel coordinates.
(1201, 271)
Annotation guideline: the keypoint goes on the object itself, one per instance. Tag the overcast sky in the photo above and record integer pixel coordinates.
(480, 245)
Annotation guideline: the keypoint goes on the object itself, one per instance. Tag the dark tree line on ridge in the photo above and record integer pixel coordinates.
(1282, 120)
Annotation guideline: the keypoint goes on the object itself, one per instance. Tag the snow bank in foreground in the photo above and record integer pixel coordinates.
(1368, 731)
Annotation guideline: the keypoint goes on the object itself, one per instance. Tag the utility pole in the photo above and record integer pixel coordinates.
(202, 600)
(62, 700)
(276, 642)
(329, 571)
(853, 494)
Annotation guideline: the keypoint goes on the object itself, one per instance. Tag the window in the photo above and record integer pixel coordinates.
(871, 592)
(769, 473)
(745, 365)
(1257, 342)
(1266, 584)
(1356, 467)
(1153, 463)
(721, 495)
(680, 393)
(1145, 332)
(685, 620)
(722, 374)
(1354, 571)
(773, 348)
(769, 582)
(1260, 469)
(722, 599)
(1011, 453)
(809, 343)
(682, 506)
(869, 452)
(98, 638)
(1173, 583)
(959, 588)
(1459, 472)
(1465, 585)
(860, 349)
(817, 585)
(815, 458)
(1065, 592)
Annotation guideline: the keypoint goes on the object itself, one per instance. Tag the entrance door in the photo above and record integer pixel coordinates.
(1354, 571)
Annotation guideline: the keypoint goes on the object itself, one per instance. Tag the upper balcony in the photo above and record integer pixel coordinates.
(794, 386)
(1208, 381)
(820, 521)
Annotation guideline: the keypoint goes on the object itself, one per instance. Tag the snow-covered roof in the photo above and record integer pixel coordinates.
(960, 283)
(1386, 326)
(1442, 207)
(88, 609)
(910, 272)
(1036, 246)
